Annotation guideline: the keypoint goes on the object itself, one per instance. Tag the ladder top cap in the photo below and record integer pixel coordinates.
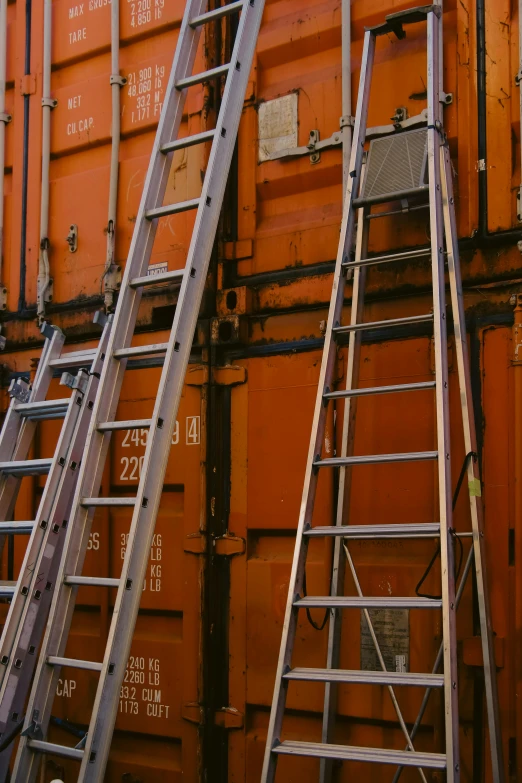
(394, 22)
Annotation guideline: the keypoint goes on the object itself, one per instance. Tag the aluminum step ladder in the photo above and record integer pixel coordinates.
(407, 166)
(31, 594)
(94, 751)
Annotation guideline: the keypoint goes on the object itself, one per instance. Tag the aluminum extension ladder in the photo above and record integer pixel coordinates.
(94, 750)
(30, 595)
(427, 145)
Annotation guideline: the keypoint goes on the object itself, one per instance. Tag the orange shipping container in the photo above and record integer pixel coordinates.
(197, 693)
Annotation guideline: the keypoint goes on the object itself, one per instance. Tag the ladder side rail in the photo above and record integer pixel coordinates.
(318, 424)
(169, 394)
(28, 615)
(345, 480)
(442, 408)
(18, 432)
(97, 443)
(475, 495)
(38, 534)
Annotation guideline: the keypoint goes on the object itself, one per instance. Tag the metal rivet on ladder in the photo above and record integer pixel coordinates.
(32, 649)
(92, 757)
(193, 272)
(223, 132)
(18, 663)
(112, 666)
(64, 523)
(160, 423)
(145, 502)
(176, 346)
(48, 585)
(56, 528)
(61, 461)
(208, 201)
(4, 660)
(43, 524)
(238, 66)
(37, 595)
(74, 465)
(128, 584)
(24, 590)
(14, 716)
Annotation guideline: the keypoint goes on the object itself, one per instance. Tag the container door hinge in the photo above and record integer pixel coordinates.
(5, 118)
(228, 546)
(229, 718)
(195, 543)
(229, 375)
(197, 376)
(193, 712)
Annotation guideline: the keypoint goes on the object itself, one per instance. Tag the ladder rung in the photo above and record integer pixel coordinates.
(39, 746)
(413, 319)
(176, 276)
(403, 758)
(108, 502)
(91, 581)
(7, 589)
(141, 350)
(382, 198)
(16, 528)
(210, 16)
(131, 424)
(366, 677)
(73, 359)
(75, 663)
(407, 255)
(46, 409)
(422, 530)
(376, 459)
(188, 141)
(402, 387)
(366, 602)
(172, 209)
(204, 76)
(26, 467)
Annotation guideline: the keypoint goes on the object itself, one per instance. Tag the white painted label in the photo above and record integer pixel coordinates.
(146, 86)
(157, 269)
(141, 688)
(277, 125)
(193, 430)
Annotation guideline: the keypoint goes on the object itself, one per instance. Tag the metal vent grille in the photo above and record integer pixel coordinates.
(396, 163)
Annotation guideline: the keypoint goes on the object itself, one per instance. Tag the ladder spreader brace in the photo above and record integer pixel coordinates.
(363, 190)
(93, 752)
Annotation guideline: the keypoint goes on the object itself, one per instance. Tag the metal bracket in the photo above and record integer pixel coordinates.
(48, 330)
(3, 297)
(446, 98)
(19, 389)
(115, 78)
(229, 375)
(313, 139)
(100, 318)
(193, 712)
(4, 117)
(228, 546)
(519, 205)
(315, 146)
(72, 238)
(52, 103)
(34, 730)
(79, 381)
(229, 718)
(195, 543)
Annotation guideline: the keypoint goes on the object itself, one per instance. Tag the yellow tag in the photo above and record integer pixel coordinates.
(475, 490)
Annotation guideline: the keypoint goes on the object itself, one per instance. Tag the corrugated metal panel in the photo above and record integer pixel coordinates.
(279, 234)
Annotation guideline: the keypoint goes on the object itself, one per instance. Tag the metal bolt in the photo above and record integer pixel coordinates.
(454, 685)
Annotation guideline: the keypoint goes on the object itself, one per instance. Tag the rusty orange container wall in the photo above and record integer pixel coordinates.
(195, 703)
